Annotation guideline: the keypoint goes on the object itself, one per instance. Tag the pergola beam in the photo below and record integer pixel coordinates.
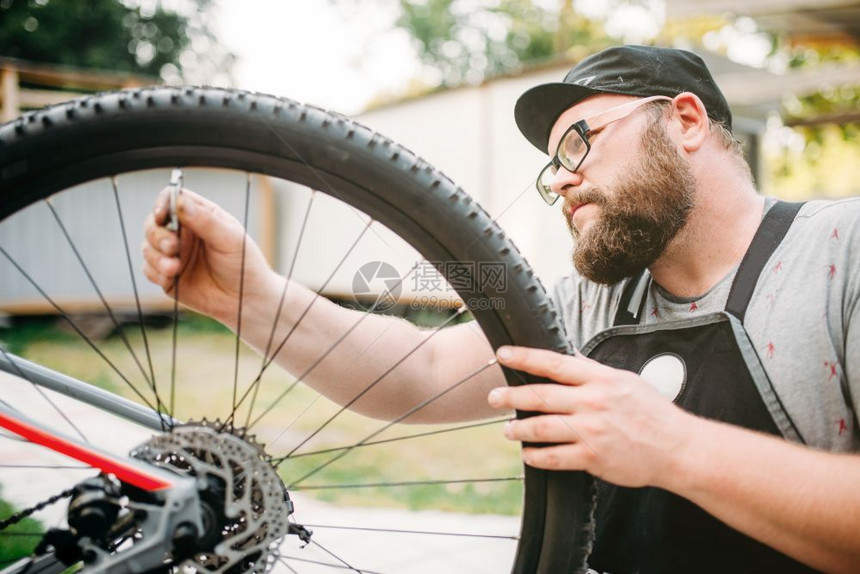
(761, 87)
(685, 8)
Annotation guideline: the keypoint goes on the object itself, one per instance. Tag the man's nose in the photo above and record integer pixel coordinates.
(565, 179)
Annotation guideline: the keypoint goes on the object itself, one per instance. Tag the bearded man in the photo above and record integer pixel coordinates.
(708, 320)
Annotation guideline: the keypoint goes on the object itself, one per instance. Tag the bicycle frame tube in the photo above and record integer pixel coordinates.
(176, 503)
(84, 392)
(139, 474)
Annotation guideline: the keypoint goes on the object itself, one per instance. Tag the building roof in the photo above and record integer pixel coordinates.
(797, 22)
(801, 21)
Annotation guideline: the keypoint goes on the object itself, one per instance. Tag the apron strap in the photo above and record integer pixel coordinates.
(633, 300)
(770, 233)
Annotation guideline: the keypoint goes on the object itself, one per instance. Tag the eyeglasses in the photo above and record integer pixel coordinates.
(574, 145)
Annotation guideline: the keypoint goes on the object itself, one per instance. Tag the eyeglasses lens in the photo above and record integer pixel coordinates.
(544, 183)
(572, 150)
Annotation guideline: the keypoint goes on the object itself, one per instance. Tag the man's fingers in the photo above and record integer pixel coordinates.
(573, 456)
(166, 283)
(568, 369)
(544, 429)
(160, 263)
(536, 398)
(161, 210)
(160, 238)
(204, 218)
(207, 220)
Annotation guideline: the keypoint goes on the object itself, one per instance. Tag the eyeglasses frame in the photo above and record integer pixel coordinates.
(582, 129)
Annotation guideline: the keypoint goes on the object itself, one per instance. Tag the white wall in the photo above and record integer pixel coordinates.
(470, 134)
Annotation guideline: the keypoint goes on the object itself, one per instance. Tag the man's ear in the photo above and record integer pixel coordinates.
(692, 124)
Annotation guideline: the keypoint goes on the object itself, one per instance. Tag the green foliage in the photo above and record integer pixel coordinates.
(829, 101)
(15, 542)
(29, 330)
(120, 35)
(827, 166)
(470, 40)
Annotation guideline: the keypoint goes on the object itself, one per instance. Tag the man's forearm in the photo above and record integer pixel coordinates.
(800, 501)
(341, 353)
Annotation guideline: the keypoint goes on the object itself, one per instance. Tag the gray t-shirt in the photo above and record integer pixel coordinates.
(803, 319)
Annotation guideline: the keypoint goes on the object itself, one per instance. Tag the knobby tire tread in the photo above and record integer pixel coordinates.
(106, 134)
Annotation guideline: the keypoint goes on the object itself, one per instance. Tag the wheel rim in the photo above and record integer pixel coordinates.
(297, 170)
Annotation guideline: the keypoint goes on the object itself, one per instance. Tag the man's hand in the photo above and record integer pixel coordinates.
(208, 251)
(606, 421)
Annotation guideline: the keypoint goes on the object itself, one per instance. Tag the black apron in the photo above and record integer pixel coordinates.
(650, 530)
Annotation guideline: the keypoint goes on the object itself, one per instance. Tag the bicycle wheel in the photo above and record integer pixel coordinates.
(105, 149)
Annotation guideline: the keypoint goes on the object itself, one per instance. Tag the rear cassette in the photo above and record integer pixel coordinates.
(244, 503)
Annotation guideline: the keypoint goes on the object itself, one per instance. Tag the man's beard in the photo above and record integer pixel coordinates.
(650, 203)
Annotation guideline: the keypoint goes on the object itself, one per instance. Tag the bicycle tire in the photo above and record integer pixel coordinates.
(99, 136)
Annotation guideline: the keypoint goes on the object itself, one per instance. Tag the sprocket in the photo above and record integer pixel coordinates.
(245, 505)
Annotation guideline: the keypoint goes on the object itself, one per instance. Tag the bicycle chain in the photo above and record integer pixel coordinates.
(16, 518)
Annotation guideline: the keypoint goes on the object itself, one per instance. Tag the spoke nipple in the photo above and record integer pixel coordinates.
(303, 533)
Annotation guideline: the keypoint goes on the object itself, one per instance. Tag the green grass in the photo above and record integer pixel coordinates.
(204, 386)
(419, 460)
(35, 329)
(194, 324)
(15, 541)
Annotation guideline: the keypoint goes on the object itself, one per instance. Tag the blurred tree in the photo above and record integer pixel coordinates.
(817, 153)
(470, 40)
(836, 105)
(171, 40)
(828, 163)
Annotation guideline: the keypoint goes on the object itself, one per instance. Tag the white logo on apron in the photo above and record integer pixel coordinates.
(667, 373)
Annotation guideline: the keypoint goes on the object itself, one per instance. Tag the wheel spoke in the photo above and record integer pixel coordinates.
(319, 396)
(338, 558)
(306, 310)
(174, 337)
(12, 437)
(98, 291)
(419, 532)
(42, 393)
(406, 483)
(241, 295)
(283, 298)
(278, 461)
(76, 327)
(320, 359)
(367, 389)
(399, 419)
(318, 174)
(320, 563)
(158, 402)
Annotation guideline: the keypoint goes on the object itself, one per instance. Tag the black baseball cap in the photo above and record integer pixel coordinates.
(629, 70)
